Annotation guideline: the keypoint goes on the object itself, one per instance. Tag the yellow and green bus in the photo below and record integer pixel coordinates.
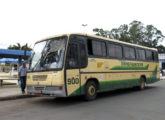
(81, 64)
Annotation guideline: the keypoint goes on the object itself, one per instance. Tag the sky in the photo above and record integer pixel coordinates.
(27, 21)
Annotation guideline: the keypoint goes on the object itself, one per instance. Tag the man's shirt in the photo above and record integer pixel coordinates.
(22, 71)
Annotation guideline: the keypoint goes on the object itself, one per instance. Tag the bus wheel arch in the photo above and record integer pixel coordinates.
(91, 88)
(95, 80)
(143, 77)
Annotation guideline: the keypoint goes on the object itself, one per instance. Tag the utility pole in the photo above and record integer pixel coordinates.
(84, 26)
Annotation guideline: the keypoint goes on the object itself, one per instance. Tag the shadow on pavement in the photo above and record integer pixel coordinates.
(120, 92)
(69, 101)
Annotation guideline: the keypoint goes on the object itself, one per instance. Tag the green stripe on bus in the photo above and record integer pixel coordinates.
(130, 68)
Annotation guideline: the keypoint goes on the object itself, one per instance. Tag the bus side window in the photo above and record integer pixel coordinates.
(96, 48)
(150, 55)
(156, 56)
(72, 57)
(83, 56)
(90, 51)
(140, 54)
(129, 53)
(114, 51)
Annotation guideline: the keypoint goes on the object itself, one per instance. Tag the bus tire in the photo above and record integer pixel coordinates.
(142, 83)
(90, 90)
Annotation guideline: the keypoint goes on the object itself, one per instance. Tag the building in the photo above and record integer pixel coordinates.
(12, 56)
(162, 61)
(162, 64)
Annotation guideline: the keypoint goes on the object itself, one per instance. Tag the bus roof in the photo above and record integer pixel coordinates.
(99, 37)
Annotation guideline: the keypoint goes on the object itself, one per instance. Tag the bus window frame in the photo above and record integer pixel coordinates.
(54, 69)
(78, 43)
(138, 48)
(157, 57)
(99, 40)
(122, 46)
(152, 55)
(110, 57)
(134, 59)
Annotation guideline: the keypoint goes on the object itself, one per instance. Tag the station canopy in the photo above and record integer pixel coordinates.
(11, 60)
(9, 53)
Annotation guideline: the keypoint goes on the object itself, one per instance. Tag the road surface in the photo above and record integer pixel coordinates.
(128, 104)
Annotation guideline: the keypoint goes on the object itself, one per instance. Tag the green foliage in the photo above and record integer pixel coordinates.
(135, 33)
(7, 64)
(19, 47)
(161, 49)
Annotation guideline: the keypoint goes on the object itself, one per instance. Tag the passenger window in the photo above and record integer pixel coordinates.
(96, 48)
(114, 51)
(129, 53)
(155, 56)
(149, 55)
(90, 51)
(140, 54)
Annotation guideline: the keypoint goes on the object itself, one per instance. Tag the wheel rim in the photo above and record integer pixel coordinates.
(91, 90)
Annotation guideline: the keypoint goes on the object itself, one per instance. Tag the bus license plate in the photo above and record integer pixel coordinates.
(38, 91)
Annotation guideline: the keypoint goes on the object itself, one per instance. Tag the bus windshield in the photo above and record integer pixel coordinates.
(48, 54)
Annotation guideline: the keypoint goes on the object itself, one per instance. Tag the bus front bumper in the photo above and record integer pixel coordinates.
(57, 91)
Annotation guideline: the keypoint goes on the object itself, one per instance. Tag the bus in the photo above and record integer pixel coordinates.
(81, 64)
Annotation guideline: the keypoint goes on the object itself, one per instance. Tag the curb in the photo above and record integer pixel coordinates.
(162, 78)
(14, 97)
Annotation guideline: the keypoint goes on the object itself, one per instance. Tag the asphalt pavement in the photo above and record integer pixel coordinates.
(127, 104)
(11, 92)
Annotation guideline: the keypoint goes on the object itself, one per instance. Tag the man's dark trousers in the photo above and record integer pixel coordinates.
(23, 83)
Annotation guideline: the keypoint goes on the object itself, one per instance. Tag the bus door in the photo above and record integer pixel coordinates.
(76, 55)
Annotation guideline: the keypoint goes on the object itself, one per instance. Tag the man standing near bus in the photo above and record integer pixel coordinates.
(22, 77)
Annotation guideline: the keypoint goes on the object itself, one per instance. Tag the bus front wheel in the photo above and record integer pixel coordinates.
(90, 90)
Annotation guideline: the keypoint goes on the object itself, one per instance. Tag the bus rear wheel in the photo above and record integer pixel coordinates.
(142, 83)
(90, 91)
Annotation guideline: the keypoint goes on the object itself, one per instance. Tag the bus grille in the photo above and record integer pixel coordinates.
(39, 88)
(39, 77)
(29, 88)
(52, 88)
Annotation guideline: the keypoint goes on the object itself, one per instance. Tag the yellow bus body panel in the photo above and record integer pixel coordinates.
(46, 78)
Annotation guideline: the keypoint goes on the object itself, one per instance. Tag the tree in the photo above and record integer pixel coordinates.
(135, 33)
(161, 49)
(19, 47)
